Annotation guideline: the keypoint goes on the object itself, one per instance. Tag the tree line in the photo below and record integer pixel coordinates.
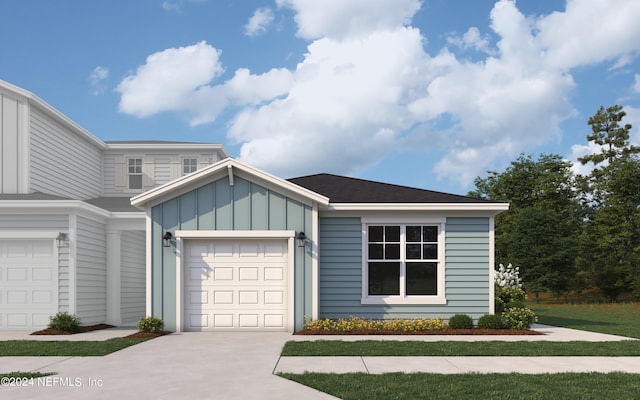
(567, 231)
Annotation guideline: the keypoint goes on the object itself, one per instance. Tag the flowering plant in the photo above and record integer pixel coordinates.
(354, 324)
(508, 276)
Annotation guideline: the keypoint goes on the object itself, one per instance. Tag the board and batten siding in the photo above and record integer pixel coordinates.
(466, 272)
(245, 206)
(91, 271)
(62, 163)
(133, 276)
(45, 222)
(13, 153)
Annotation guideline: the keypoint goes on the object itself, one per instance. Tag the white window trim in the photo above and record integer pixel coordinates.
(182, 165)
(402, 299)
(128, 174)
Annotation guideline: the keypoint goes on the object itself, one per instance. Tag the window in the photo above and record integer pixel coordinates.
(403, 263)
(189, 165)
(134, 171)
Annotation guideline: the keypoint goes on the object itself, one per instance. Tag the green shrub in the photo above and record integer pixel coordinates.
(151, 325)
(460, 321)
(491, 321)
(64, 321)
(515, 304)
(505, 295)
(519, 318)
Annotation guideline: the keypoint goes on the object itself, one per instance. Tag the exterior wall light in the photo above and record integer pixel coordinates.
(62, 239)
(302, 239)
(167, 239)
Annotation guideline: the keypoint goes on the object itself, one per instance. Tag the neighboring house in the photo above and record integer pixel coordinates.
(231, 247)
(69, 238)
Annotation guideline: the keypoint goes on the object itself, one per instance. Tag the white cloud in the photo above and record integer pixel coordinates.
(367, 87)
(259, 22)
(96, 80)
(180, 80)
(339, 109)
(339, 19)
(636, 83)
(590, 31)
(168, 80)
(177, 5)
(471, 40)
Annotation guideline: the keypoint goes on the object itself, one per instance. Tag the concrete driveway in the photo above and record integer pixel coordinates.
(186, 365)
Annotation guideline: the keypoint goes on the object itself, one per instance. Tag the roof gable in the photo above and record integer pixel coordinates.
(227, 167)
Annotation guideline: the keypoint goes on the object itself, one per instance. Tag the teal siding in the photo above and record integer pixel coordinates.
(219, 206)
(466, 269)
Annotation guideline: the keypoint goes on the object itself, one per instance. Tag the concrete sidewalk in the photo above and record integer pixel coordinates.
(460, 365)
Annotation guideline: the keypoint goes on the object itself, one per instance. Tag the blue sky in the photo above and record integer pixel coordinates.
(427, 93)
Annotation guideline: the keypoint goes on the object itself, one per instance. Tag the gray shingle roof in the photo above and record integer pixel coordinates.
(342, 189)
(114, 204)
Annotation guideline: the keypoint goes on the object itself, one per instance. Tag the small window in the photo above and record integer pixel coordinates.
(134, 171)
(189, 165)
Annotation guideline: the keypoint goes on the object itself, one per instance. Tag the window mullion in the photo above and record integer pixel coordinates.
(403, 250)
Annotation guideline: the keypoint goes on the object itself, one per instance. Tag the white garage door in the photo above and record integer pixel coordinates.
(235, 285)
(28, 283)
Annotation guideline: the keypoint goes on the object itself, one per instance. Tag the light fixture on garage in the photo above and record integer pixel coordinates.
(302, 239)
(167, 239)
(62, 239)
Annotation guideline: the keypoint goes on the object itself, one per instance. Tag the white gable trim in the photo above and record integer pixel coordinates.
(221, 168)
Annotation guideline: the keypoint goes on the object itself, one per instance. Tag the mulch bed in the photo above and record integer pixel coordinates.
(83, 329)
(474, 331)
(137, 335)
(146, 335)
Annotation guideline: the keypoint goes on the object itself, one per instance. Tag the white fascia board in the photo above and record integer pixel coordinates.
(165, 146)
(191, 181)
(486, 207)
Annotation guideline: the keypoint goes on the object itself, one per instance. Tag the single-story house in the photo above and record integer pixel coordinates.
(230, 247)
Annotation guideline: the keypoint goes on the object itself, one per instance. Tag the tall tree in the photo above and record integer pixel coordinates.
(544, 213)
(610, 245)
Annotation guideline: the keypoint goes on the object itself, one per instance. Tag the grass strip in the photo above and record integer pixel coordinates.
(25, 375)
(567, 386)
(370, 348)
(613, 318)
(62, 348)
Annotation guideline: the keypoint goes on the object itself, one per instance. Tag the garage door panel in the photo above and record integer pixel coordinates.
(245, 289)
(28, 283)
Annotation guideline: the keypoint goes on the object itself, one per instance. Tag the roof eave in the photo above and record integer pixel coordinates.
(485, 207)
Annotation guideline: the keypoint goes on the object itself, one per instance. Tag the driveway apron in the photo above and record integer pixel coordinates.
(187, 365)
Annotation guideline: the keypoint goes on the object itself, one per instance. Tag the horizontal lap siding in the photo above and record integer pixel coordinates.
(466, 279)
(91, 272)
(467, 258)
(133, 276)
(62, 163)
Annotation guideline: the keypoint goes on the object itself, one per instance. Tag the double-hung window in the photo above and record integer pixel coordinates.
(403, 263)
(134, 172)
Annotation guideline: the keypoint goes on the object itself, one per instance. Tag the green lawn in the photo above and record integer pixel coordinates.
(448, 348)
(474, 386)
(64, 348)
(617, 319)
